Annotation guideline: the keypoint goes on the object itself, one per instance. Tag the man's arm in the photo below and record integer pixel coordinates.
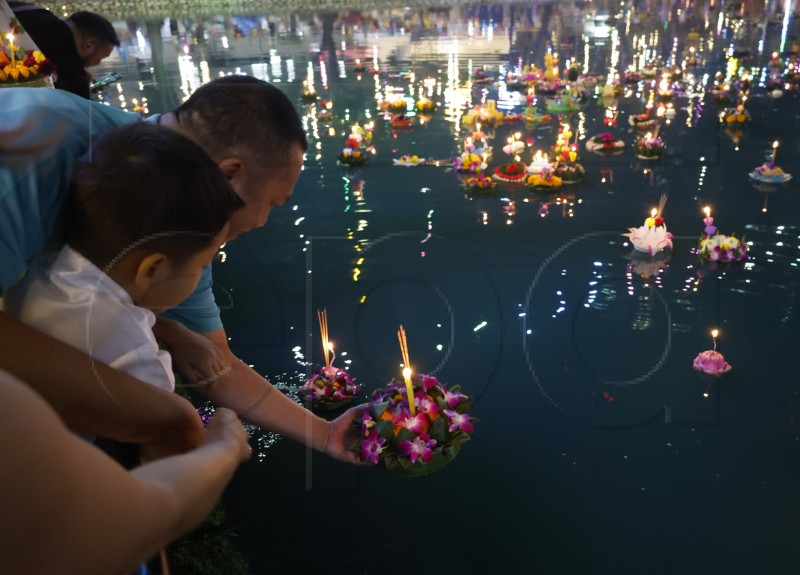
(255, 400)
(93, 398)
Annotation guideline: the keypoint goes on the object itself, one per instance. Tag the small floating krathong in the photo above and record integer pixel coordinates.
(546, 178)
(513, 172)
(425, 105)
(330, 388)
(480, 184)
(649, 148)
(604, 142)
(409, 161)
(653, 237)
(414, 427)
(711, 361)
(642, 121)
(770, 172)
(717, 247)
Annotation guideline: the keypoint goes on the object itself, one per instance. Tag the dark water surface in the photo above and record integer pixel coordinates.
(598, 448)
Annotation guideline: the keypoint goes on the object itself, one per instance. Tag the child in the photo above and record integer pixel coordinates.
(148, 210)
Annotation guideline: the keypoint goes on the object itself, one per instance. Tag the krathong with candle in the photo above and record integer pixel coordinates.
(515, 171)
(737, 116)
(425, 105)
(469, 162)
(416, 436)
(711, 361)
(480, 184)
(568, 169)
(545, 178)
(604, 142)
(400, 120)
(409, 161)
(19, 67)
(717, 247)
(564, 105)
(649, 147)
(769, 172)
(642, 121)
(330, 388)
(653, 237)
(396, 104)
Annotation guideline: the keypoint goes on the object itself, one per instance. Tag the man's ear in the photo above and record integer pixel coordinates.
(231, 167)
(151, 269)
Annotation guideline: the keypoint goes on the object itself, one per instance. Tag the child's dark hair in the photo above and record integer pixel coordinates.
(145, 186)
(241, 114)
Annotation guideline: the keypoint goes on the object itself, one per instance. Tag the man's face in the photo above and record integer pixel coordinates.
(95, 51)
(262, 190)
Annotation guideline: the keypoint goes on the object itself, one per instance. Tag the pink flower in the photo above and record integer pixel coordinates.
(371, 447)
(417, 423)
(453, 399)
(420, 447)
(459, 421)
(428, 382)
(711, 362)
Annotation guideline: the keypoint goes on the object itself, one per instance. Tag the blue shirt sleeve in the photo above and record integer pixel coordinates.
(198, 312)
(43, 134)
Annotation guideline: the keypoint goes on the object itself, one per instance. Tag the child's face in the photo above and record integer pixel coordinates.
(179, 281)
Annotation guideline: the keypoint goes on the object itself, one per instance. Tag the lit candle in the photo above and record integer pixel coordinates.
(11, 47)
(409, 390)
(401, 336)
(774, 150)
(714, 334)
(707, 211)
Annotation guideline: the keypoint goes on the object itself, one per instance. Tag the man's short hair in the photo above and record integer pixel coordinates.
(243, 115)
(94, 25)
(146, 186)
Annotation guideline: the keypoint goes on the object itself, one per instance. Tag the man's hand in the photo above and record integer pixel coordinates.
(225, 428)
(181, 433)
(341, 436)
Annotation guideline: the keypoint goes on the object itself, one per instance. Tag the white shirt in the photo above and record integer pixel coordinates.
(68, 297)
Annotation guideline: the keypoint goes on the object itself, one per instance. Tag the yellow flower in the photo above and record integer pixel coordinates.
(573, 156)
(650, 222)
(730, 119)
(38, 56)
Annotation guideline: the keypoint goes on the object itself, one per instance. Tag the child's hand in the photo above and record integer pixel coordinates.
(225, 428)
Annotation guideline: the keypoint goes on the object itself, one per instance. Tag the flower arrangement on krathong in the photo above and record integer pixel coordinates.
(649, 148)
(480, 184)
(413, 427)
(22, 67)
(604, 142)
(769, 172)
(717, 247)
(353, 154)
(513, 172)
(330, 388)
(652, 237)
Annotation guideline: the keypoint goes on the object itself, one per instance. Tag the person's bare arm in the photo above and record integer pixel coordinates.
(69, 509)
(93, 398)
(257, 401)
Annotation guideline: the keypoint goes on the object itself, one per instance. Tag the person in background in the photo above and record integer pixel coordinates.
(71, 510)
(81, 41)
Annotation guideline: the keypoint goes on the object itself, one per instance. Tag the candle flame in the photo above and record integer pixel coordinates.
(775, 144)
(707, 211)
(714, 333)
(653, 212)
(406, 371)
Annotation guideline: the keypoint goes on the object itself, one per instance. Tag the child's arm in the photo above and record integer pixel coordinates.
(72, 510)
(93, 398)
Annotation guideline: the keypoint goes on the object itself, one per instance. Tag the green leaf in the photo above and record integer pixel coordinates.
(376, 409)
(456, 388)
(385, 429)
(464, 406)
(438, 430)
(404, 435)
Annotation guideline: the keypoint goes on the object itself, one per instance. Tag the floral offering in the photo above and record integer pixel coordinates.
(409, 161)
(400, 121)
(604, 142)
(419, 444)
(515, 172)
(641, 121)
(329, 389)
(352, 157)
(649, 148)
(717, 247)
(469, 162)
(544, 179)
(711, 362)
(533, 117)
(28, 67)
(735, 116)
(480, 184)
(565, 105)
(397, 105)
(570, 172)
(653, 237)
(771, 173)
(425, 105)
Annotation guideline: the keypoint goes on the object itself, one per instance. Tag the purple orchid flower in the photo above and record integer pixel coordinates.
(420, 448)
(453, 399)
(416, 423)
(459, 421)
(428, 381)
(425, 404)
(371, 447)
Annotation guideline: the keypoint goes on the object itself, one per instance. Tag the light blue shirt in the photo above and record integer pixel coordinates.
(43, 134)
